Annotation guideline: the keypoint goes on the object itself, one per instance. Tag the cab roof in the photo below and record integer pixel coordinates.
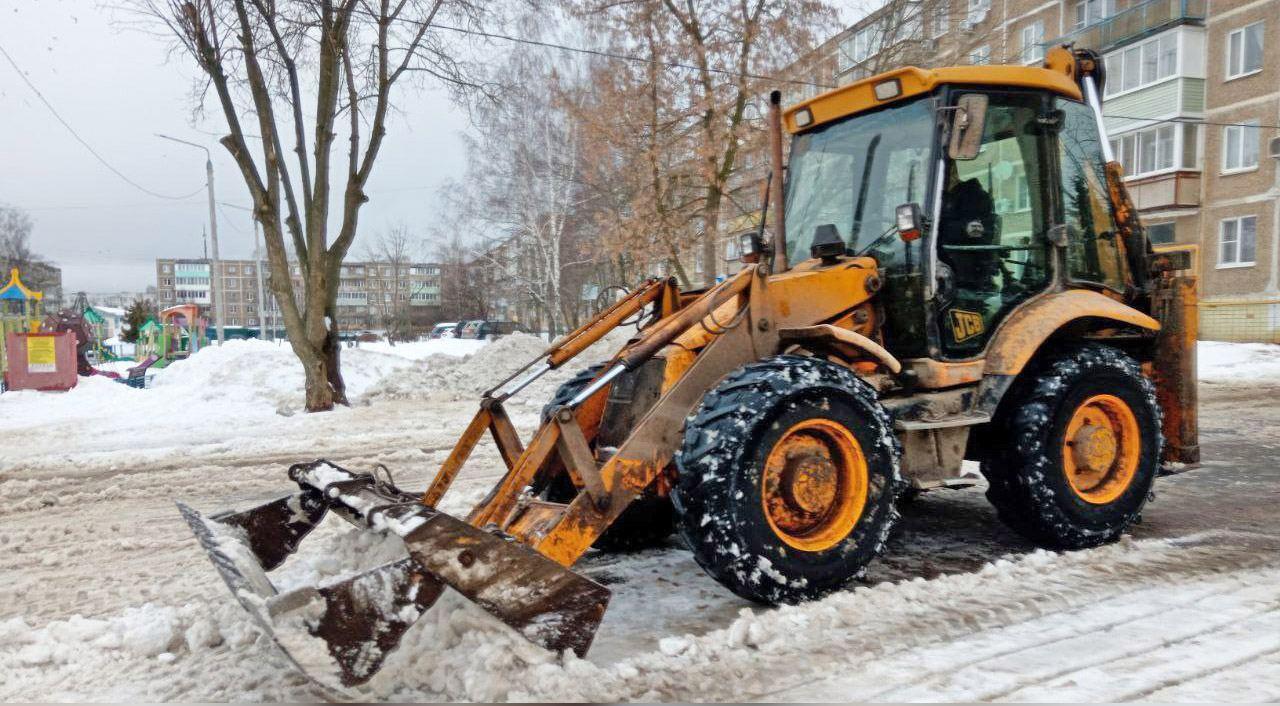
(1057, 75)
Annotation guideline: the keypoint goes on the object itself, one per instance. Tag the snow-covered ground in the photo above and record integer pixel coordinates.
(109, 597)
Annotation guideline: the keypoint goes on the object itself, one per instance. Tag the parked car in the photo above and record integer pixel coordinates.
(445, 330)
(489, 330)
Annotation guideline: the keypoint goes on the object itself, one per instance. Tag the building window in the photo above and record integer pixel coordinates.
(248, 269)
(231, 270)
(910, 21)
(1160, 233)
(1240, 147)
(1032, 42)
(980, 55)
(1147, 151)
(1142, 64)
(939, 19)
(1093, 11)
(977, 11)
(166, 269)
(1237, 241)
(1244, 51)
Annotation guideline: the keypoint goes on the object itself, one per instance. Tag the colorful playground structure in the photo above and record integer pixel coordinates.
(19, 310)
(180, 334)
(31, 357)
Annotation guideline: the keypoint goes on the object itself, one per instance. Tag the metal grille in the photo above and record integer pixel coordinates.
(1251, 321)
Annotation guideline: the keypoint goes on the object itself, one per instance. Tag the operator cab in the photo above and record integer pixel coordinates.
(1003, 166)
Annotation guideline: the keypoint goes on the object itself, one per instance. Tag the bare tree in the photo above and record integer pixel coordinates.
(395, 249)
(261, 57)
(466, 281)
(523, 184)
(921, 33)
(15, 239)
(730, 44)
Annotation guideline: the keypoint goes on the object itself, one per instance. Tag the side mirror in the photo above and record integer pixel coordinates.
(966, 126)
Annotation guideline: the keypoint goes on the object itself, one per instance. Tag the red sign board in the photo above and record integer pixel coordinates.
(41, 361)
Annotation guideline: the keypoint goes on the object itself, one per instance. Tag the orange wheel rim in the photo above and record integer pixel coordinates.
(1101, 449)
(814, 485)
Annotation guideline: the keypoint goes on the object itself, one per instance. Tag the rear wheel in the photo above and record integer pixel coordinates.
(1079, 448)
(786, 479)
(646, 522)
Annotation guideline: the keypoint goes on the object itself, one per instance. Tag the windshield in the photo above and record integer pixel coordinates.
(854, 173)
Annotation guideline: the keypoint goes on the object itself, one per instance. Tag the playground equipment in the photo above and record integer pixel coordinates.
(19, 312)
(148, 343)
(181, 333)
(41, 361)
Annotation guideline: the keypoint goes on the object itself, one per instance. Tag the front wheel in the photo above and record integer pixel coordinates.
(786, 479)
(1079, 446)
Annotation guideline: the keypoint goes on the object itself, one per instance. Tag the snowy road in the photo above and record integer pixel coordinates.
(109, 598)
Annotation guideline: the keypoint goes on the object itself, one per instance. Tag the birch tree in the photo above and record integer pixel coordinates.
(523, 184)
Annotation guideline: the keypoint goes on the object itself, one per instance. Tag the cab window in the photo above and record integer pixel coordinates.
(1093, 250)
(992, 248)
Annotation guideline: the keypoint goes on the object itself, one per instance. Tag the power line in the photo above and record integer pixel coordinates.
(593, 52)
(82, 141)
(1190, 121)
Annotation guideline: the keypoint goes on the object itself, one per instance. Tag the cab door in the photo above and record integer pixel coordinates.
(992, 245)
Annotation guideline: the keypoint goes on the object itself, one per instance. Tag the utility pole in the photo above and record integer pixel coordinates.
(215, 266)
(262, 302)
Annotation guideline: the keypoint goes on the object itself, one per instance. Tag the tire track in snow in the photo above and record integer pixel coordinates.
(1075, 613)
(1155, 643)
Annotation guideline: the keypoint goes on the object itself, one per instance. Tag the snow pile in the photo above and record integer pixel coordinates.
(419, 350)
(439, 378)
(241, 398)
(1226, 363)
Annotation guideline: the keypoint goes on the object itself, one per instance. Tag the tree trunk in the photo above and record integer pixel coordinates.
(710, 228)
(333, 361)
(316, 369)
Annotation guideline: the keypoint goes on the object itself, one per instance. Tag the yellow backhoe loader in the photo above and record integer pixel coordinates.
(955, 271)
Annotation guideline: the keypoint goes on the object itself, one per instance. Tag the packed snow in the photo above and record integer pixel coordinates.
(1238, 363)
(110, 598)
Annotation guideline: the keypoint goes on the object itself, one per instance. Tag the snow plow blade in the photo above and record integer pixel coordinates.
(340, 633)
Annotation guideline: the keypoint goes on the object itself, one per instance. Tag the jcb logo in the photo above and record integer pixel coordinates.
(966, 325)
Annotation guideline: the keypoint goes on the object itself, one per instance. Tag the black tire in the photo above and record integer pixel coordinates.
(647, 522)
(1025, 461)
(569, 389)
(718, 492)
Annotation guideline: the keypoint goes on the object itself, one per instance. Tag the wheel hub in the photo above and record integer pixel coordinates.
(1095, 448)
(810, 482)
(814, 485)
(1101, 449)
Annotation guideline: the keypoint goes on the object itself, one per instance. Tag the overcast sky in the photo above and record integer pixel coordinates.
(117, 88)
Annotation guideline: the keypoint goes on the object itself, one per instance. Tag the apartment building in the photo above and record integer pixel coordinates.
(371, 295)
(1192, 102)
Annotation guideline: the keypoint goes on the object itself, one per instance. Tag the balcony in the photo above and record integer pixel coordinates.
(1165, 192)
(1134, 23)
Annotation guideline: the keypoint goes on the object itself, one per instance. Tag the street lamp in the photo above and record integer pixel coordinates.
(263, 332)
(215, 274)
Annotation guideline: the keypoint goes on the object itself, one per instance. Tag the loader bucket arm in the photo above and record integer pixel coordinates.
(511, 554)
